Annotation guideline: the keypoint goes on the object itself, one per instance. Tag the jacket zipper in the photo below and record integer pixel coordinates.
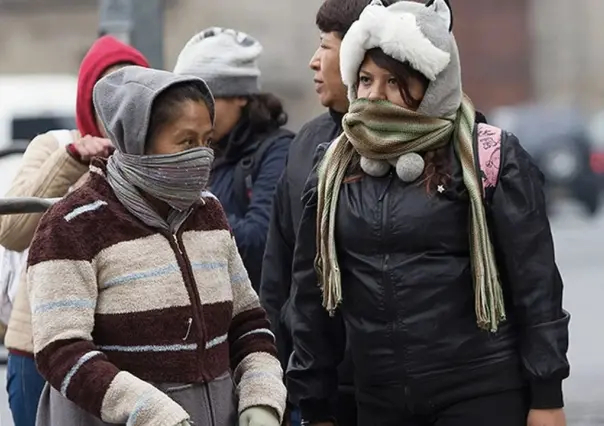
(384, 199)
(189, 279)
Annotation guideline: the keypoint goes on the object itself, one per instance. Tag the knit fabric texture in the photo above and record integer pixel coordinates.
(137, 306)
(225, 58)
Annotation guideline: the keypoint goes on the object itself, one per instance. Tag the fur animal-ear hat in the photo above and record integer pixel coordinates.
(416, 33)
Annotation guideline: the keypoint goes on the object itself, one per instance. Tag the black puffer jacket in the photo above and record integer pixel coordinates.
(408, 301)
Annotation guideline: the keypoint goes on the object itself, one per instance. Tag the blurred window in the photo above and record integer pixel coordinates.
(24, 129)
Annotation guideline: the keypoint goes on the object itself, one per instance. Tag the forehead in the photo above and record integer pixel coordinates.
(195, 110)
(369, 65)
(192, 115)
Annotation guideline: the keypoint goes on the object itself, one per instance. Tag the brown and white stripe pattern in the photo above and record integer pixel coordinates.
(112, 311)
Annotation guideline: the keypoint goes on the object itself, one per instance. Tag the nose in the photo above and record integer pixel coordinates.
(376, 94)
(315, 62)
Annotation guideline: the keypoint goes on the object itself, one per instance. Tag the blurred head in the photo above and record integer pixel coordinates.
(106, 55)
(334, 19)
(227, 60)
(262, 112)
(384, 78)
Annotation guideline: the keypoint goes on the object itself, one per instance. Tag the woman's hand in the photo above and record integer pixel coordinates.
(258, 416)
(88, 147)
(554, 417)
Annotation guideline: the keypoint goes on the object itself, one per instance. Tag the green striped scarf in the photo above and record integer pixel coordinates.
(380, 130)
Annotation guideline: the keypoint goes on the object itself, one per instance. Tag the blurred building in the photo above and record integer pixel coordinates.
(494, 40)
(512, 50)
(51, 36)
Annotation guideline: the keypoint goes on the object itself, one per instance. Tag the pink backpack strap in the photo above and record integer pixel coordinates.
(489, 155)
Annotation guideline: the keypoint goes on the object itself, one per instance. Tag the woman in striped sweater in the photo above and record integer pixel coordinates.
(143, 313)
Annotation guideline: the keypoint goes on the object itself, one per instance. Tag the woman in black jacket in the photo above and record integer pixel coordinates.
(451, 299)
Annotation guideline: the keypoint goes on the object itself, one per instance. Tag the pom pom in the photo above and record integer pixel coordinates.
(409, 167)
(375, 168)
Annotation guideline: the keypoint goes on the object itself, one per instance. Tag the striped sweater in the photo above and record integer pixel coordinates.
(117, 305)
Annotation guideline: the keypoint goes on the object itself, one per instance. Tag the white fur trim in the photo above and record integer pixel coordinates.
(398, 35)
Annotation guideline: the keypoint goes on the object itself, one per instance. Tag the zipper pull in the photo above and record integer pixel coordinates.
(189, 324)
(176, 242)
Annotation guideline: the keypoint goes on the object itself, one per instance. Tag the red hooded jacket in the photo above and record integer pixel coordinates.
(106, 52)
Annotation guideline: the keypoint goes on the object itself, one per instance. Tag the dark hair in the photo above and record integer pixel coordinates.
(436, 171)
(265, 112)
(165, 107)
(339, 15)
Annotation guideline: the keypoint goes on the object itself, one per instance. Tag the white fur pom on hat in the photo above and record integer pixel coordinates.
(225, 58)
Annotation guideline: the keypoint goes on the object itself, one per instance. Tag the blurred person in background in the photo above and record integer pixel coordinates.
(449, 296)
(333, 20)
(53, 164)
(249, 139)
(155, 321)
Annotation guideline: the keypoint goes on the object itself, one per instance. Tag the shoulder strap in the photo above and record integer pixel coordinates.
(11, 265)
(489, 156)
(246, 169)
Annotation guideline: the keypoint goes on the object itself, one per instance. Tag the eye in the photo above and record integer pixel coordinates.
(393, 81)
(364, 80)
(188, 142)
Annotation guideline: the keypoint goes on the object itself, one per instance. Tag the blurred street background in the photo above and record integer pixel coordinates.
(533, 67)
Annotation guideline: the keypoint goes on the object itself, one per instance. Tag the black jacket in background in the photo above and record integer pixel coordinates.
(286, 212)
(408, 302)
(249, 224)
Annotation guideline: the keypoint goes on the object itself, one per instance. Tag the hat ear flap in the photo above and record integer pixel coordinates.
(442, 9)
(376, 3)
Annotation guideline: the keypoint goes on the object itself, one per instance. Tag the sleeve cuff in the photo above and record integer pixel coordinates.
(546, 394)
(315, 411)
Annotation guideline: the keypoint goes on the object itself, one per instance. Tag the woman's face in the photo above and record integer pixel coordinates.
(327, 78)
(228, 113)
(191, 128)
(376, 83)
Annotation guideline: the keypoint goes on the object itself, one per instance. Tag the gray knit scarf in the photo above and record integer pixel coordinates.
(176, 179)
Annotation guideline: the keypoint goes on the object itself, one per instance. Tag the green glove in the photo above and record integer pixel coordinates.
(258, 416)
